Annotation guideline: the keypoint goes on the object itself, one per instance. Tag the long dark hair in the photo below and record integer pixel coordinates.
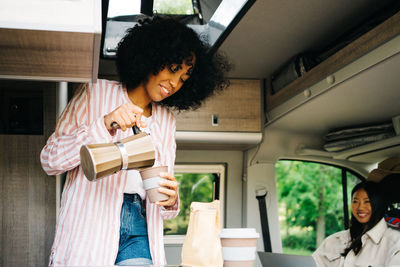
(379, 206)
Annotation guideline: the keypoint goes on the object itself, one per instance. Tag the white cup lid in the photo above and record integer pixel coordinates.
(239, 233)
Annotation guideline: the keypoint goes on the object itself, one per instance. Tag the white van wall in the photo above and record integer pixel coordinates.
(259, 176)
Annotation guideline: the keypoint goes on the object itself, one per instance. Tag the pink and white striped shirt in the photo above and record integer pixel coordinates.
(87, 231)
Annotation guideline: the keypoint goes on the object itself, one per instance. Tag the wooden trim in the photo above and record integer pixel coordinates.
(47, 55)
(96, 56)
(367, 42)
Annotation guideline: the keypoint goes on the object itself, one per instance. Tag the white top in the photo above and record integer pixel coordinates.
(380, 247)
(134, 183)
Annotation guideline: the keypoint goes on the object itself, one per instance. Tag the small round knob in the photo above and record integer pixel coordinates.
(330, 79)
(307, 93)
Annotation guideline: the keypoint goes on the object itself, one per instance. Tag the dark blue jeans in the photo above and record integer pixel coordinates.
(133, 240)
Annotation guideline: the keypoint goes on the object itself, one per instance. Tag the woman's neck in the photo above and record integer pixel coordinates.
(140, 98)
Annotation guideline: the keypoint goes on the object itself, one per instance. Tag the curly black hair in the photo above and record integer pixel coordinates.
(156, 43)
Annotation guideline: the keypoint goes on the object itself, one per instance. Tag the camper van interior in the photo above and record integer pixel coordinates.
(312, 108)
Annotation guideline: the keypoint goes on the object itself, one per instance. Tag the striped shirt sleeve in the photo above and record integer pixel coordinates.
(173, 211)
(61, 152)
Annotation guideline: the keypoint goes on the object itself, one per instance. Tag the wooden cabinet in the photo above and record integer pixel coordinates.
(50, 40)
(236, 109)
(230, 120)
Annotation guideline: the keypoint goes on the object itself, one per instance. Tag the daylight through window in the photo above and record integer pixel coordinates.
(310, 198)
(199, 183)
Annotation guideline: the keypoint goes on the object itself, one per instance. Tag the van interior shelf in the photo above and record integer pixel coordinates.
(217, 140)
(352, 153)
(50, 40)
(361, 46)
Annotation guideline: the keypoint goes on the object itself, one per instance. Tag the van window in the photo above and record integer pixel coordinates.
(199, 183)
(181, 7)
(311, 203)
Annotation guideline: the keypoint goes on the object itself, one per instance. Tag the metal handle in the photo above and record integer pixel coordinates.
(115, 125)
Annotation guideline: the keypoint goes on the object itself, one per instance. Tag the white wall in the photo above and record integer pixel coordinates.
(263, 175)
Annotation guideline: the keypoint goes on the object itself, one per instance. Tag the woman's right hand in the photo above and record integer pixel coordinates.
(126, 116)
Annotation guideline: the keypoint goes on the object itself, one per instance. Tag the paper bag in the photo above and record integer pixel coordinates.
(202, 245)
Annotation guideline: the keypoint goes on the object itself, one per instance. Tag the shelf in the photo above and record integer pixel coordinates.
(387, 146)
(367, 42)
(217, 140)
(368, 148)
(50, 40)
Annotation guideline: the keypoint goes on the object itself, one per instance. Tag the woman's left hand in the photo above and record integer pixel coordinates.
(170, 188)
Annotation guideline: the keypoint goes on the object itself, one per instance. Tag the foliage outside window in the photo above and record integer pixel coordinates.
(176, 7)
(197, 187)
(310, 199)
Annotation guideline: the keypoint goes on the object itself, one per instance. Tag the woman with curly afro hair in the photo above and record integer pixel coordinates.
(162, 65)
(161, 43)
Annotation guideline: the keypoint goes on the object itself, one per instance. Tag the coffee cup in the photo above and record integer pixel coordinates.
(239, 246)
(151, 177)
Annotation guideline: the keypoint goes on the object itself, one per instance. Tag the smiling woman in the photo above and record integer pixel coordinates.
(368, 208)
(168, 81)
(361, 206)
(369, 241)
(162, 64)
(160, 43)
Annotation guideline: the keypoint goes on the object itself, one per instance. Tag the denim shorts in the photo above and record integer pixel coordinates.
(133, 240)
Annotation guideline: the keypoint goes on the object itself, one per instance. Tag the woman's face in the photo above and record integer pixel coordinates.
(169, 80)
(361, 207)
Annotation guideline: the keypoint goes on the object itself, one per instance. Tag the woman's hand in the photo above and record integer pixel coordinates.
(170, 188)
(126, 116)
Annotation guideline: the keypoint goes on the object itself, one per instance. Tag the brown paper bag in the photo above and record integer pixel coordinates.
(202, 245)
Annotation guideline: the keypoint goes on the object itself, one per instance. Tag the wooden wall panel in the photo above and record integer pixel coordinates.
(49, 55)
(238, 109)
(15, 202)
(27, 193)
(49, 123)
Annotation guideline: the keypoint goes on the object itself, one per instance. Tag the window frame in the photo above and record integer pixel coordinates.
(216, 168)
(344, 170)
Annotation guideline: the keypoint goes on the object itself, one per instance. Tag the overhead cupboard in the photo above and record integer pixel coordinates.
(347, 89)
(325, 70)
(230, 119)
(50, 40)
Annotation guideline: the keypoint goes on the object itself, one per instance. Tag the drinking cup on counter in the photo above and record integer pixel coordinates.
(151, 177)
(239, 246)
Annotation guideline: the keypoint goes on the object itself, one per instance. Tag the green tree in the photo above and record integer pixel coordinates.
(173, 7)
(192, 187)
(310, 195)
